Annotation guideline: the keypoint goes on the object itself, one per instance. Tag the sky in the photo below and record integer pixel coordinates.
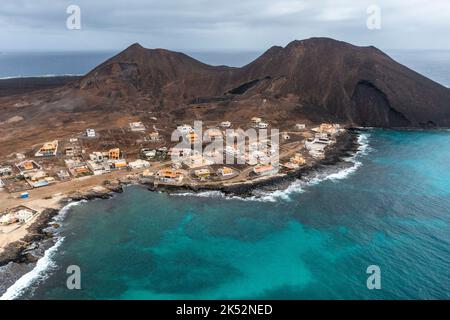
(227, 25)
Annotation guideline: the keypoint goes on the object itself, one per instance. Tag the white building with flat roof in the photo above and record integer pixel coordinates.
(90, 133)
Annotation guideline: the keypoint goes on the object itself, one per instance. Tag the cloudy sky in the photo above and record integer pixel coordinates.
(211, 25)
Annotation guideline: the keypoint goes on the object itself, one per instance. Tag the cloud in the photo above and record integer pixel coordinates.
(219, 25)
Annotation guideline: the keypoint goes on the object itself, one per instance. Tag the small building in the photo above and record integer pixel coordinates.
(96, 156)
(81, 170)
(154, 136)
(262, 125)
(300, 126)
(24, 195)
(98, 168)
(255, 121)
(170, 175)
(27, 166)
(139, 164)
(197, 160)
(137, 126)
(90, 133)
(264, 170)
(114, 154)
(192, 137)
(225, 124)
(6, 171)
(49, 149)
(148, 154)
(202, 174)
(119, 164)
(214, 134)
(20, 156)
(185, 129)
(298, 159)
(147, 173)
(63, 175)
(69, 151)
(226, 172)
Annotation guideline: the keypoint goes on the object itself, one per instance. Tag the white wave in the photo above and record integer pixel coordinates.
(40, 272)
(64, 210)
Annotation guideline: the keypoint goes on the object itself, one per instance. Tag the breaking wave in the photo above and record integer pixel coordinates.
(38, 273)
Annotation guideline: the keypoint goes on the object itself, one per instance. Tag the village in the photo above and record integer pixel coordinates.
(149, 156)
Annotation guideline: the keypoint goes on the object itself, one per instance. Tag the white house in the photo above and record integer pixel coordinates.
(90, 133)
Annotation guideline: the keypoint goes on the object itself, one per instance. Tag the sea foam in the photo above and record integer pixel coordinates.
(39, 273)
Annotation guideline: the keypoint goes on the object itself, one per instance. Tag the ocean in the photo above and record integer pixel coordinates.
(388, 206)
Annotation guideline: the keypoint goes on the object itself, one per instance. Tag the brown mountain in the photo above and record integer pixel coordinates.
(312, 80)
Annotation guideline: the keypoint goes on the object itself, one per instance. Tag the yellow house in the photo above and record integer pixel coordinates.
(202, 173)
(114, 154)
(192, 137)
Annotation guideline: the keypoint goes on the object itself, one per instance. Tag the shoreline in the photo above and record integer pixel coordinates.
(24, 253)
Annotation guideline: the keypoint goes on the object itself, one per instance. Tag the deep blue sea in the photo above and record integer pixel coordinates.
(389, 206)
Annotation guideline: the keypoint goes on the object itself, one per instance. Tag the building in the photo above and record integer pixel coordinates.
(300, 126)
(90, 133)
(6, 171)
(214, 134)
(98, 168)
(262, 125)
(265, 170)
(49, 149)
(202, 174)
(226, 172)
(63, 175)
(38, 179)
(185, 129)
(197, 160)
(119, 164)
(170, 175)
(114, 154)
(225, 124)
(19, 215)
(96, 156)
(69, 151)
(137, 126)
(139, 164)
(27, 166)
(148, 154)
(192, 137)
(298, 159)
(255, 121)
(154, 136)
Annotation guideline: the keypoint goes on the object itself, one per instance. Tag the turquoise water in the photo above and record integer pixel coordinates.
(313, 241)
